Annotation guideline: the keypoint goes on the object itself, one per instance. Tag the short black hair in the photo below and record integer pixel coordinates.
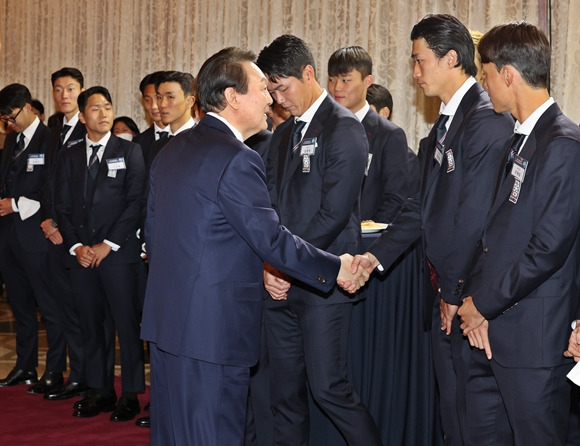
(129, 123)
(14, 96)
(444, 33)
(149, 79)
(380, 97)
(222, 70)
(83, 98)
(286, 56)
(185, 80)
(68, 71)
(37, 105)
(349, 58)
(521, 45)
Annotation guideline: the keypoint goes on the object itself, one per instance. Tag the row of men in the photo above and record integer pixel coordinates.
(205, 246)
(86, 270)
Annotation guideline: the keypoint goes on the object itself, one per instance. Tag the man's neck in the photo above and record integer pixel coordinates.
(71, 115)
(176, 125)
(528, 101)
(454, 83)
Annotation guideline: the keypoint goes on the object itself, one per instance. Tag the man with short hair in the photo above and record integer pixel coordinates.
(23, 247)
(380, 100)
(522, 292)
(387, 183)
(99, 194)
(210, 227)
(315, 168)
(67, 84)
(459, 161)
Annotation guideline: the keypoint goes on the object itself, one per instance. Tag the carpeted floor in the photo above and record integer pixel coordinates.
(27, 420)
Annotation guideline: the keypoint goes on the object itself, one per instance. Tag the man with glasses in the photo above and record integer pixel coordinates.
(23, 247)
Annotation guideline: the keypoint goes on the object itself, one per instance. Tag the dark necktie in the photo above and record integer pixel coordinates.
(19, 147)
(517, 142)
(63, 133)
(441, 130)
(94, 161)
(161, 134)
(297, 135)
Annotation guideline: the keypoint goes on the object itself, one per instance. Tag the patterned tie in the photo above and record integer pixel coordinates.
(441, 131)
(297, 135)
(161, 134)
(63, 133)
(517, 142)
(94, 161)
(19, 147)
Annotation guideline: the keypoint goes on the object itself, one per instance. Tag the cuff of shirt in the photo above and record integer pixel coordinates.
(72, 249)
(113, 246)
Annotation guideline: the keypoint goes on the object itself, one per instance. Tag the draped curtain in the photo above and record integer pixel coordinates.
(116, 42)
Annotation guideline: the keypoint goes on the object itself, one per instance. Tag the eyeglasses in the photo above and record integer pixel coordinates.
(11, 119)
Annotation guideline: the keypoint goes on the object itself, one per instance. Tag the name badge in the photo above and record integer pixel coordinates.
(116, 163)
(438, 155)
(515, 194)
(369, 160)
(450, 161)
(36, 159)
(305, 163)
(308, 146)
(519, 168)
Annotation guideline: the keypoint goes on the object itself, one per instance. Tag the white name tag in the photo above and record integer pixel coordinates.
(36, 159)
(116, 163)
(308, 146)
(519, 168)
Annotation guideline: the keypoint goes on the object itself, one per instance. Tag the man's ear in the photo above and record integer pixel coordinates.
(231, 96)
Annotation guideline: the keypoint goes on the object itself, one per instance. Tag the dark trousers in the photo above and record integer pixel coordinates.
(27, 284)
(515, 406)
(61, 286)
(196, 402)
(106, 299)
(307, 347)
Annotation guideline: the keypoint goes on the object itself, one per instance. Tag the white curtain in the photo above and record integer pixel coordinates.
(116, 42)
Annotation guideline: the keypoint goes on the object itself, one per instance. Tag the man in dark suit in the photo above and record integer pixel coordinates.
(23, 247)
(316, 164)
(67, 84)
(523, 290)
(158, 129)
(388, 182)
(459, 162)
(206, 248)
(99, 196)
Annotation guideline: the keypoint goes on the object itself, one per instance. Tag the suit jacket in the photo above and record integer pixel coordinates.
(321, 206)
(208, 234)
(453, 202)
(16, 181)
(388, 182)
(525, 274)
(116, 203)
(54, 152)
(146, 140)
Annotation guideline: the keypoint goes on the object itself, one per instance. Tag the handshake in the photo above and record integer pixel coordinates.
(354, 273)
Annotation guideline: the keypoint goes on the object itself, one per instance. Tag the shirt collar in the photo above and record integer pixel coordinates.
(451, 107)
(73, 121)
(29, 131)
(103, 142)
(526, 127)
(363, 111)
(156, 128)
(189, 124)
(234, 130)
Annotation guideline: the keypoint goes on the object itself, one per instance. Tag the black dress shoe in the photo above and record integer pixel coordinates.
(126, 409)
(143, 422)
(67, 390)
(48, 382)
(94, 404)
(19, 376)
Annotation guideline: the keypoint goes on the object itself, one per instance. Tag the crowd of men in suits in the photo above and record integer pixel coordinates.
(227, 237)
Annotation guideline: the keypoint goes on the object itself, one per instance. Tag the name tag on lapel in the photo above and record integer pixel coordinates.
(308, 146)
(34, 159)
(116, 164)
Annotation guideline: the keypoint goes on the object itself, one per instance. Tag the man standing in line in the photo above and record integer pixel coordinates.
(387, 183)
(459, 163)
(99, 196)
(523, 291)
(23, 247)
(209, 229)
(315, 168)
(67, 84)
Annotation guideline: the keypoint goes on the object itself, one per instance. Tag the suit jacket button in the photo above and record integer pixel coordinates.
(485, 250)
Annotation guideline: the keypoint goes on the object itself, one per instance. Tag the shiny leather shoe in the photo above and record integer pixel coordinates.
(143, 422)
(48, 382)
(95, 403)
(19, 376)
(126, 409)
(67, 390)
